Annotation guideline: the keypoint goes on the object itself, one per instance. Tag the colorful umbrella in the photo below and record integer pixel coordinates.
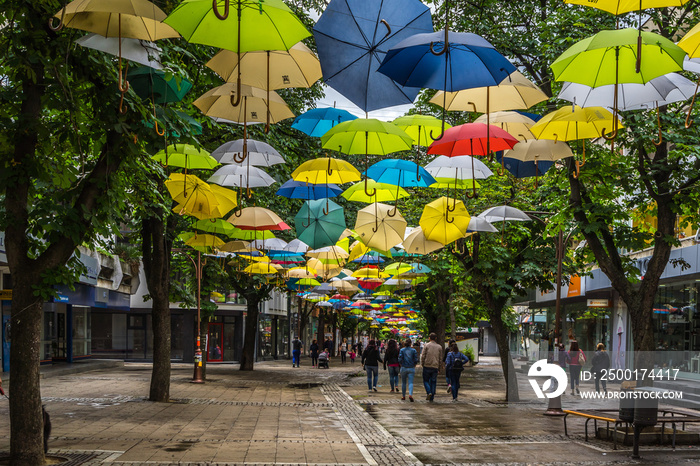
(442, 223)
(185, 156)
(257, 218)
(317, 121)
(241, 176)
(320, 223)
(326, 170)
(250, 151)
(301, 190)
(256, 104)
(352, 38)
(514, 123)
(380, 226)
(136, 50)
(416, 242)
(382, 192)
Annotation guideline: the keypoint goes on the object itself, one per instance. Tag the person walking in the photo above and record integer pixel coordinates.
(343, 350)
(359, 348)
(328, 344)
(600, 362)
(370, 361)
(297, 345)
(313, 351)
(447, 371)
(454, 364)
(391, 360)
(408, 358)
(576, 359)
(430, 359)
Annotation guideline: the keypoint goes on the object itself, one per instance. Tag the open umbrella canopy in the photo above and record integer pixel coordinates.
(250, 151)
(263, 26)
(416, 242)
(261, 268)
(618, 7)
(267, 244)
(136, 50)
(539, 149)
(368, 272)
(296, 246)
(257, 218)
(366, 136)
(215, 225)
(353, 37)
(368, 258)
(609, 57)
(301, 190)
(335, 253)
(297, 67)
(236, 246)
(378, 227)
(137, 19)
(251, 235)
(504, 213)
(444, 223)
(195, 197)
(185, 156)
(683, 89)
(209, 241)
(382, 192)
(397, 172)
(421, 128)
(301, 272)
(449, 167)
(472, 139)
(480, 224)
(241, 176)
(325, 170)
(581, 123)
(317, 121)
(514, 123)
(253, 108)
(397, 268)
(691, 42)
(470, 61)
(320, 223)
(344, 287)
(152, 84)
(514, 92)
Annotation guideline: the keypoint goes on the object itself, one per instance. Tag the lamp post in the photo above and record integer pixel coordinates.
(197, 377)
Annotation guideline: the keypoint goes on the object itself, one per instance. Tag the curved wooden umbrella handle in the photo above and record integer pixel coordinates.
(60, 24)
(159, 132)
(216, 10)
(388, 32)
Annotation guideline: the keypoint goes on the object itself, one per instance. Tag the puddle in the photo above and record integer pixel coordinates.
(305, 385)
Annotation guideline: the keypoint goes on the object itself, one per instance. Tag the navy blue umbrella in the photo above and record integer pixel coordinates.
(352, 37)
(520, 169)
(317, 121)
(302, 190)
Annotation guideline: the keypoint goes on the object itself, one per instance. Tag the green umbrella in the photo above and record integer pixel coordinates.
(176, 119)
(250, 235)
(615, 57)
(320, 223)
(215, 225)
(242, 26)
(162, 88)
(366, 136)
(186, 156)
(382, 192)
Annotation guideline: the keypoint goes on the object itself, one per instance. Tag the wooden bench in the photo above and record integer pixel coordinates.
(606, 415)
(673, 417)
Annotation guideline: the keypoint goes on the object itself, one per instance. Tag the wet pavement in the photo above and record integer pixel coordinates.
(283, 415)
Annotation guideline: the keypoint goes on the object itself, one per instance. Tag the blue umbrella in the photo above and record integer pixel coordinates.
(301, 190)
(317, 121)
(403, 173)
(462, 61)
(369, 258)
(520, 169)
(352, 37)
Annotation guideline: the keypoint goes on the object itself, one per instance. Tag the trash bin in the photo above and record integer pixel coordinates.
(626, 403)
(646, 413)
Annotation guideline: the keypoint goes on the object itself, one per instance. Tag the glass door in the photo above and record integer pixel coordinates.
(215, 342)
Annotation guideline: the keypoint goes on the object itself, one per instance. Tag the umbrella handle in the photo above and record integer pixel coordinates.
(216, 10)
(388, 32)
(447, 218)
(60, 24)
(392, 212)
(236, 98)
(158, 131)
(329, 170)
(688, 121)
(418, 177)
(525, 137)
(658, 121)
(122, 108)
(454, 205)
(373, 193)
(444, 48)
(442, 132)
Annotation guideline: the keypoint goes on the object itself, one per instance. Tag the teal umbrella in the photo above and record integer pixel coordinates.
(320, 223)
(148, 83)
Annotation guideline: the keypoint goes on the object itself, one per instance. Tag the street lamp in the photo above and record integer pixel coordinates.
(197, 377)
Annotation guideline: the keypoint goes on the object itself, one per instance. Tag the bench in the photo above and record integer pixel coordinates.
(673, 417)
(606, 415)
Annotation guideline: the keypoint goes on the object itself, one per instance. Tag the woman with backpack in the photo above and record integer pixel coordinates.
(391, 360)
(370, 361)
(455, 363)
(576, 359)
(408, 358)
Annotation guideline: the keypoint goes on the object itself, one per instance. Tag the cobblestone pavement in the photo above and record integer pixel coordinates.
(283, 415)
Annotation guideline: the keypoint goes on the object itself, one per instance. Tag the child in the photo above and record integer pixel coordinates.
(352, 356)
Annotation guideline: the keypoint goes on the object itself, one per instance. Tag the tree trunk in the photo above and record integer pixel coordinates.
(453, 322)
(251, 328)
(321, 330)
(156, 260)
(26, 421)
(495, 309)
(334, 349)
(441, 328)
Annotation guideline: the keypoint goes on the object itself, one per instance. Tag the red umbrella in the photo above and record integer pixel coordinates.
(339, 296)
(473, 139)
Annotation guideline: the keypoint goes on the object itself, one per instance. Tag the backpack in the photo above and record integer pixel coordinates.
(457, 364)
(581, 359)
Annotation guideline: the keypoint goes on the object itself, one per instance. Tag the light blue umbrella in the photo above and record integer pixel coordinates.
(317, 121)
(403, 173)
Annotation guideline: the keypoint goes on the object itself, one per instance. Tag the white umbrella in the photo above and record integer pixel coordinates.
(296, 246)
(415, 242)
(259, 153)
(503, 213)
(272, 243)
(236, 175)
(630, 95)
(514, 123)
(139, 51)
(480, 224)
(683, 89)
(534, 150)
(324, 304)
(446, 167)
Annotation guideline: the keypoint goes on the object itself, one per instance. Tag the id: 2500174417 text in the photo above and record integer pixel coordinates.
(612, 375)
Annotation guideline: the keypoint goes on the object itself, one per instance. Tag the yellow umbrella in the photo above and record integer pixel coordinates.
(569, 124)
(326, 170)
(335, 253)
(444, 223)
(324, 270)
(216, 103)
(181, 186)
(358, 249)
(378, 229)
(344, 287)
(226, 197)
(298, 67)
(301, 272)
(514, 123)
(237, 246)
(261, 268)
(515, 92)
(382, 192)
(539, 149)
(207, 241)
(194, 196)
(369, 272)
(417, 243)
(257, 218)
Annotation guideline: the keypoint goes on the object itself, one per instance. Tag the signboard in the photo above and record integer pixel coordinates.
(576, 287)
(93, 270)
(598, 303)
(3, 255)
(6, 295)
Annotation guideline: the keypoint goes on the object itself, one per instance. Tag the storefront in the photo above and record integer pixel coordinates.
(225, 336)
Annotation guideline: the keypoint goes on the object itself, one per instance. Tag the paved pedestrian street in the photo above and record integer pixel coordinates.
(283, 415)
